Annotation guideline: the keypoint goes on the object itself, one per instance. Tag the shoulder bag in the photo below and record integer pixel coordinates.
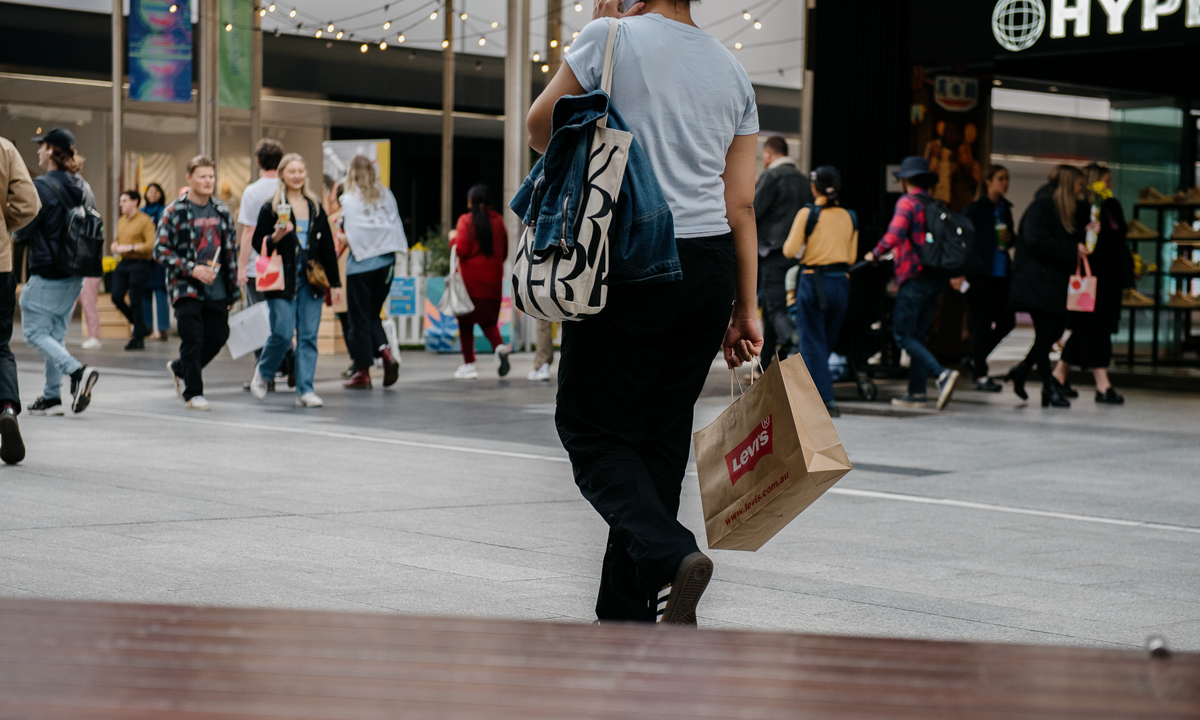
(455, 300)
(570, 282)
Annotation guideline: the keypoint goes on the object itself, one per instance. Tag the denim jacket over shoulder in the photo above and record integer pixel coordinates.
(642, 235)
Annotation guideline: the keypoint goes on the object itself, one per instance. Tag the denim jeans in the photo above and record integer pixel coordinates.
(9, 392)
(300, 315)
(819, 330)
(628, 431)
(46, 307)
(916, 303)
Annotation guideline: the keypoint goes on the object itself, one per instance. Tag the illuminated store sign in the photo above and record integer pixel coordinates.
(1019, 24)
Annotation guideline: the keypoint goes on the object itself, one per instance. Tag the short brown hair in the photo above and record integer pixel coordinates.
(200, 161)
(133, 195)
(776, 145)
(268, 152)
(66, 160)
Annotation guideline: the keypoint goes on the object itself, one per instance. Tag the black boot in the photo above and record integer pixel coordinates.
(1109, 397)
(1069, 391)
(1017, 376)
(1052, 394)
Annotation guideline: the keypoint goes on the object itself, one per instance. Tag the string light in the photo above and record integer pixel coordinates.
(387, 25)
(228, 27)
(271, 7)
(400, 38)
(566, 49)
(545, 68)
(482, 41)
(340, 34)
(537, 57)
(495, 25)
(758, 25)
(746, 15)
(553, 43)
(363, 48)
(445, 44)
(292, 13)
(462, 17)
(173, 8)
(330, 28)
(318, 33)
(574, 34)
(737, 46)
(262, 12)
(383, 46)
(578, 7)
(433, 15)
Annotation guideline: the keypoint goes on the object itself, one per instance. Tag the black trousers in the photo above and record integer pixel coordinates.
(132, 276)
(990, 320)
(1089, 347)
(628, 431)
(9, 392)
(365, 295)
(778, 326)
(203, 329)
(1048, 327)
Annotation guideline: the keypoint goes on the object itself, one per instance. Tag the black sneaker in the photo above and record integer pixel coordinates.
(136, 343)
(47, 406)
(988, 385)
(12, 447)
(82, 381)
(685, 590)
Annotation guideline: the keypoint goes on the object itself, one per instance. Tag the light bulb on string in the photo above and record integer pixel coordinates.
(292, 13)
(363, 48)
(758, 25)
(495, 24)
(173, 8)
(400, 38)
(746, 15)
(262, 12)
(578, 7)
(445, 44)
(330, 28)
(545, 68)
(340, 34)
(318, 33)
(737, 46)
(574, 34)
(387, 25)
(462, 17)
(482, 41)
(537, 57)
(553, 43)
(271, 7)
(383, 46)
(228, 27)
(433, 15)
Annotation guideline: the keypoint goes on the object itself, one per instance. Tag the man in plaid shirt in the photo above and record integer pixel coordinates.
(918, 289)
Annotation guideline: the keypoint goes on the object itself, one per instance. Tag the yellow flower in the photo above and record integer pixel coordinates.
(1101, 190)
(109, 263)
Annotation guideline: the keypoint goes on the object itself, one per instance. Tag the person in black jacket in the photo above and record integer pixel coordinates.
(988, 275)
(1049, 243)
(48, 298)
(779, 194)
(1090, 343)
(304, 243)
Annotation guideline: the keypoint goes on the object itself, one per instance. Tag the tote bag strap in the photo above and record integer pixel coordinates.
(606, 76)
(1083, 268)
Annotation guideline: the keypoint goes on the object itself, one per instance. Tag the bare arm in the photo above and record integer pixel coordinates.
(743, 339)
(563, 83)
(245, 245)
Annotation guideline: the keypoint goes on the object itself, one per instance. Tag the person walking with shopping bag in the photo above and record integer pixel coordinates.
(293, 226)
(690, 108)
(481, 246)
(1111, 262)
(1050, 245)
(825, 235)
(371, 222)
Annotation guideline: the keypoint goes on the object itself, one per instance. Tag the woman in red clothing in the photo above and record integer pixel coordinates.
(482, 246)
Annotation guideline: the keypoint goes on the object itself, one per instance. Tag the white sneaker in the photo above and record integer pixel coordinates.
(309, 399)
(178, 381)
(466, 372)
(542, 374)
(198, 403)
(92, 344)
(502, 366)
(258, 386)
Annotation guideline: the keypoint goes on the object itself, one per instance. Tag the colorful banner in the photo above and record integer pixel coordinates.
(160, 51)
(236, 19)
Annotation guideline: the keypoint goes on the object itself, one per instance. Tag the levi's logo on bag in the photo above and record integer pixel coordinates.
(744, 458)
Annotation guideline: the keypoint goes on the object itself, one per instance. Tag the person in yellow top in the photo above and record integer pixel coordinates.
(135, 245)
(824, 237)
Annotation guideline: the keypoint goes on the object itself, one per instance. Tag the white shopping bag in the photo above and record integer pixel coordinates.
(249, 330)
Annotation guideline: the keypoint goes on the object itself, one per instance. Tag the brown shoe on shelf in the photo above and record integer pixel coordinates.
(1184, 231)
(1184, 266)
(1191, 196)
(1138, 231)
(360, 380)
(1183, 302)
(391, 366)
(1151, 196)
(1133, 299)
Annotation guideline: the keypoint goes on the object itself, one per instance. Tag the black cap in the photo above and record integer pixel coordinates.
(59, 137)
(914, 167)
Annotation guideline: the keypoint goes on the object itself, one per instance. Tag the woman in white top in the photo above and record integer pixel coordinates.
(690, 106)
(371, 222)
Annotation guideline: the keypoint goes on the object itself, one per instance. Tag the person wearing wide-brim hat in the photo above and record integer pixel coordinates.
(917, 289)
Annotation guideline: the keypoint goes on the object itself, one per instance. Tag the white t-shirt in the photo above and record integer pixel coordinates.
(256, 194)
(684, 97)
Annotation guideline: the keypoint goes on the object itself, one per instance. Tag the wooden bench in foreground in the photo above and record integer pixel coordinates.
(86, 660)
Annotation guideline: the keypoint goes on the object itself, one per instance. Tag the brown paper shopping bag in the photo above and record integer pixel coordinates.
(766, 458)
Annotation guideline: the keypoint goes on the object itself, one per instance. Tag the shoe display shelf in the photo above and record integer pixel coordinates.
(1167, 280)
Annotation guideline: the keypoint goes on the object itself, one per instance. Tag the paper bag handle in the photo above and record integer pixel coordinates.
(733, 377)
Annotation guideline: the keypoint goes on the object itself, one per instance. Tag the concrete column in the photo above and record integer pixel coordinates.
(116, 160)
(516, 136)
(806, 89)
(448, 119)
(256, 73)
(206, 70)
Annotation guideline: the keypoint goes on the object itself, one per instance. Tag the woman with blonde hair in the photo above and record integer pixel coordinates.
(294, 225)
(373, 230)
(1049, 245)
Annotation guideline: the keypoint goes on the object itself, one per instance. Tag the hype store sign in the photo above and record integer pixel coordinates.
(1018, 25)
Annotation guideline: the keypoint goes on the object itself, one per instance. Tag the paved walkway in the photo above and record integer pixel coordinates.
(993, 521)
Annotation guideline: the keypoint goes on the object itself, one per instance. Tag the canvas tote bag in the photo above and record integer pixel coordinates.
(1081, 289)
(269, 270)
(766, 458)
(571, 283)
(455, 300)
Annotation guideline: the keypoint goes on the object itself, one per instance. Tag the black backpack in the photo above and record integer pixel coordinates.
(82, 249)
(949, 238)
(814, 212)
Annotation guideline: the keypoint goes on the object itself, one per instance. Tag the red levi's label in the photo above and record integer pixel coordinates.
(743, 458)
